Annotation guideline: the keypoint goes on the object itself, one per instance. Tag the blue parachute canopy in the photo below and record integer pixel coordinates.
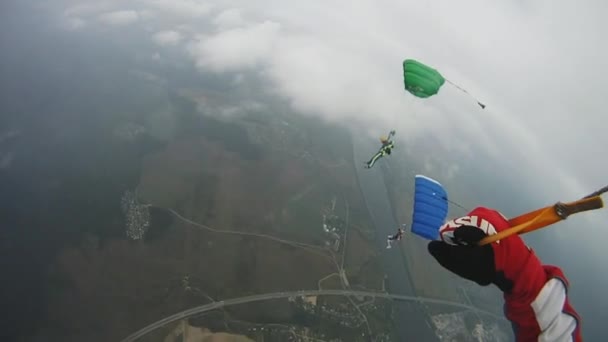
(430, 207)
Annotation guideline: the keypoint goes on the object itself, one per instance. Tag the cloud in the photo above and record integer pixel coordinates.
(184, 8)
(74, 23)
(167, 38)
(236, 48)
(147, 14)
(229, 19)
(75, 16)
(541, 78)
(147, 76)
(86, 9)
(119, 18)
(516, 59)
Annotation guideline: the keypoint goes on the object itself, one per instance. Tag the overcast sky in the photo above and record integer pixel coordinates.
(539, 66)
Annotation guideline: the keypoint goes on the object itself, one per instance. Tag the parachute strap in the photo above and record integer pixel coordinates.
(598, 193)
(546, 216)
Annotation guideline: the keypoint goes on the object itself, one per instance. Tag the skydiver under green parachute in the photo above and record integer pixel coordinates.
(387, 146)
(421, 81)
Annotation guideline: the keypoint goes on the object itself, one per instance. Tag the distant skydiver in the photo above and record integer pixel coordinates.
(387, 146)
(397, 237)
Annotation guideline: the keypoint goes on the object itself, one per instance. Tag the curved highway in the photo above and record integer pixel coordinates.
(278, 295)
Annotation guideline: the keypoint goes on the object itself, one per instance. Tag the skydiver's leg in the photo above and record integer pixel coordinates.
(372, 161)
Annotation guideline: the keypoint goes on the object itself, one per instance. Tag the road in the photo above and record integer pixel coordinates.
(278, 295)
(412, 326)
(411, 322)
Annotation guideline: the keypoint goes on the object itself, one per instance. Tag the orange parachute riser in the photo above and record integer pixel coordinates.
(544, 217)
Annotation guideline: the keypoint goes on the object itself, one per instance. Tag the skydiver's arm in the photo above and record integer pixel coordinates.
(536, 295)
(547, 316)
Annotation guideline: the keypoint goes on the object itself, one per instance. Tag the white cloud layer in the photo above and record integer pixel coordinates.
(74, 23)
(167, 38)
(119, 18)
(235, 48)
(183, 8)
(229, 19)
(538, 66)
(538, 76)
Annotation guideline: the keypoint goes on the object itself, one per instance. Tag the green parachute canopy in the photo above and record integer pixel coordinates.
(423, 81)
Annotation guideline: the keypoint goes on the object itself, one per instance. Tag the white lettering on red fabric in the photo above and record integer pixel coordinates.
(447, 230)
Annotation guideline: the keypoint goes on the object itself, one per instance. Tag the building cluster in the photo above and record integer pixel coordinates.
(137, 216)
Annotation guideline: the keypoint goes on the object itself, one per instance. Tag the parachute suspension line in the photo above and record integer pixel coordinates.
(593, 194)
(458, 205)
(466, 92)
(597, 193)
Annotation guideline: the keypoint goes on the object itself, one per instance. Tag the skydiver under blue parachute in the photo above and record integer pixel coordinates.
(398, 236)
(386, 148)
